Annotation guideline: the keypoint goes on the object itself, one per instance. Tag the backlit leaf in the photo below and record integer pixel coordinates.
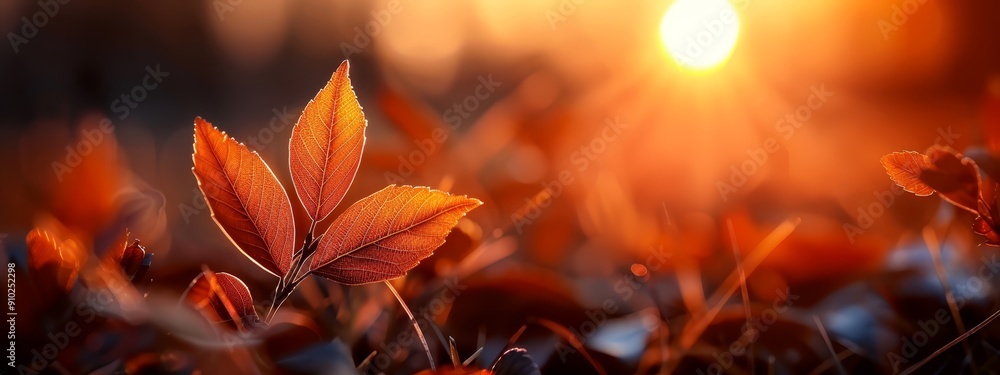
(942, 169)
(954, 176)
(245, 198)
(904, 169)
(223, 298)
(325, 149)
(386, 234)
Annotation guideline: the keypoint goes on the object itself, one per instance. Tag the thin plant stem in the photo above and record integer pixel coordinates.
(288, 281)
(743, 288)
(416, 327)
(281, 294)
(829, 345)
(954, 342)
(934, 248)
(301, 256)
(693, 330)
(274, 302)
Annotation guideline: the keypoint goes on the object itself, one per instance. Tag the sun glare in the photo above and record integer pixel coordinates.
(700, 34)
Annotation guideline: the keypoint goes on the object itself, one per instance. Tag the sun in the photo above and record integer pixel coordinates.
(700, 34)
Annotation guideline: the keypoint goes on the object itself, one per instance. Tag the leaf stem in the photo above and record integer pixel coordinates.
(278, 290)
(280, 295)
(298, 260)
(288, 281)
(420, 334)
(300, 279)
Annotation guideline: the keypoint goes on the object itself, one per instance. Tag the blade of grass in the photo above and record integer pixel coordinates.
(934, 247)
(571, 338)
(954, 342)
(699, 295)
(456, 361)
(472, 357)
(662, 326)
(829, 345)
(416, 327)
(694, 329)
(687, 271)
(743, 289)
(440, 335)
(510, 343)
(830, 362)
(368, 360)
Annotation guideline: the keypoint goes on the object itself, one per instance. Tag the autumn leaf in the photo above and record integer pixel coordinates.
(380, 237)
(245, 198)
(950, 174)
(223, 298)
(954, 176)
(386, 234)
(904, 169)
(325, 149)
(47, 252)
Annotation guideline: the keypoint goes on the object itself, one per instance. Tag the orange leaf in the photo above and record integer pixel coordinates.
(64, 257)
(325, 149)
(386, 234)
(953, 176)
(904, 169)
(222, 298)
(245, 198)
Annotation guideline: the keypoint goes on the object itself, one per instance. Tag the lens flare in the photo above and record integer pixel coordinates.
(700, 34)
